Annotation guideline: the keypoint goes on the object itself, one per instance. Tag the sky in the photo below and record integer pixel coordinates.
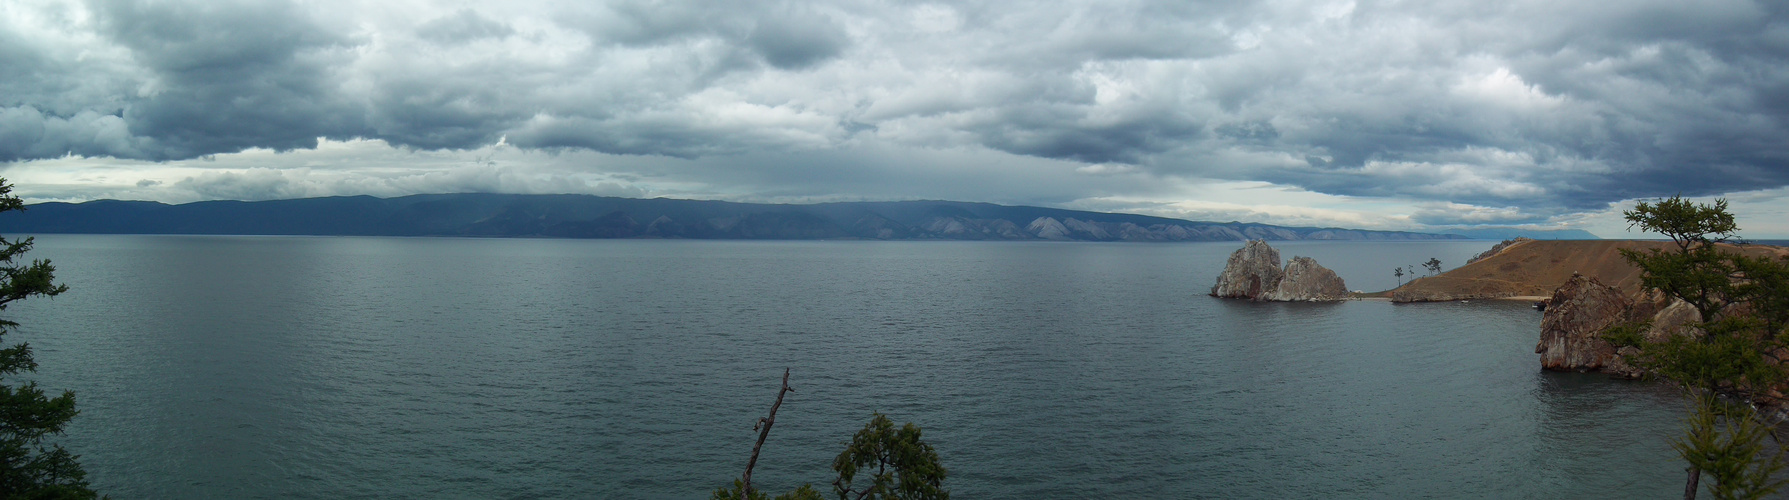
(1421, 115)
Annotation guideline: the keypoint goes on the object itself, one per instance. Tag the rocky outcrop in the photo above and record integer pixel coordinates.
(1497, 249)
(1253, 272)
(1571, 329)
(1581, 310)
(1303, 279)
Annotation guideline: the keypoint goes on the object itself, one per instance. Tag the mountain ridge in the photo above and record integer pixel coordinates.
(589, 216)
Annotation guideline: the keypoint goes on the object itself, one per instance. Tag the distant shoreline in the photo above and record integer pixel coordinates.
(598, 217)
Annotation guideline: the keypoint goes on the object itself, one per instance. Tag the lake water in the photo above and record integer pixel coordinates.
(320, 367)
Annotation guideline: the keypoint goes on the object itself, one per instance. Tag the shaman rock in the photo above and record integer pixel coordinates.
(1253, 272)
(1305, 280)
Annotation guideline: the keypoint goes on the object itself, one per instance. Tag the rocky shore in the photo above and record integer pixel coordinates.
(1585, 287)
(1578, 313)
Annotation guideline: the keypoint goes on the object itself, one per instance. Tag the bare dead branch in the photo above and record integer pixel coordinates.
(763, 428)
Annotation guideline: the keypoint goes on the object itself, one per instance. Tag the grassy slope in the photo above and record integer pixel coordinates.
(1537, 268)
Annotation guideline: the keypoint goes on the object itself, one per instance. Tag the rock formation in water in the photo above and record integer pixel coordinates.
(1303, 279)
(1253, 272)
(1572, 326)
(1579, 312)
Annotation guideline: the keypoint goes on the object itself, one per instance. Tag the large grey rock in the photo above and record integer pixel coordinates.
(1304, 280)
(1253, 272)
(1582, 308)
(1571, 328)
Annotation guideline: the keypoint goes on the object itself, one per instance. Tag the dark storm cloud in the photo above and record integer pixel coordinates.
(1500, 112)
(226, 76)
(1063, 133)
(796, 39)
(785, 35)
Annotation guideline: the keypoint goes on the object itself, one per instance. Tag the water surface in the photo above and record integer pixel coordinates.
(325, 367)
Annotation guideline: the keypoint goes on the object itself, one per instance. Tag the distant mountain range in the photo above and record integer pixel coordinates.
(585, 216)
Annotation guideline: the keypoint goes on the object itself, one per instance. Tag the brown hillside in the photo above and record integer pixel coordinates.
(1537, 268)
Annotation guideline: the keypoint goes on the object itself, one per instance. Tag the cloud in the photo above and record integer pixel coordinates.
(227, 76)
(1448, 214)
(462, 26)
(274, 184)
(796, 38)
(1452, 110)
(27, 133)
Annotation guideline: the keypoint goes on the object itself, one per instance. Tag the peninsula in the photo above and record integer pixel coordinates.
(1585, 287)
(1533, 270)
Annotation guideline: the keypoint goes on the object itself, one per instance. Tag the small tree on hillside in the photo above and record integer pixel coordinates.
(1433, 265)
(1399, 272)
(29, 467)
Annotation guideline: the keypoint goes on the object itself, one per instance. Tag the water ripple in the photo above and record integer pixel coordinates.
(273, 367)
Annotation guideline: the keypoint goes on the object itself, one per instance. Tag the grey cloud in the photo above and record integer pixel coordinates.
(655, 22)
(797, 39)
(1257, 132)
(212, 39)
(1549, 107)
(25, 68)
(462, 26)
(271, 184)
(1466, 215)
(1066, 35)
(1062, 133)
(786, 35)
(251, 185)
(27, 133)
(442, 111)
(230, 76)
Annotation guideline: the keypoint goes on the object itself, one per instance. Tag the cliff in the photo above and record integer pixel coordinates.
(1253, 272)
(1571, 330)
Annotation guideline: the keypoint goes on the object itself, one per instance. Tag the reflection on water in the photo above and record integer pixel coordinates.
(261, 367)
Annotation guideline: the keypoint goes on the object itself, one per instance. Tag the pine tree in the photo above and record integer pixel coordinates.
(1741, 301)
(29, 467)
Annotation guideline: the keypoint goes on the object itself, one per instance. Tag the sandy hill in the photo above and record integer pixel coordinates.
(1537, 268)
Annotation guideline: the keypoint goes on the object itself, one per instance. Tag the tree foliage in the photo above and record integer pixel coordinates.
(1743, 303)
(1433, 265)
(30, 467)
(1726, 440)
(1687, 223)
(899, 464)
(738, 492)
(881, 463)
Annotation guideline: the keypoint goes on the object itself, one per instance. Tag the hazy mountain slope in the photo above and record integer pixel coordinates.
(583, 216)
